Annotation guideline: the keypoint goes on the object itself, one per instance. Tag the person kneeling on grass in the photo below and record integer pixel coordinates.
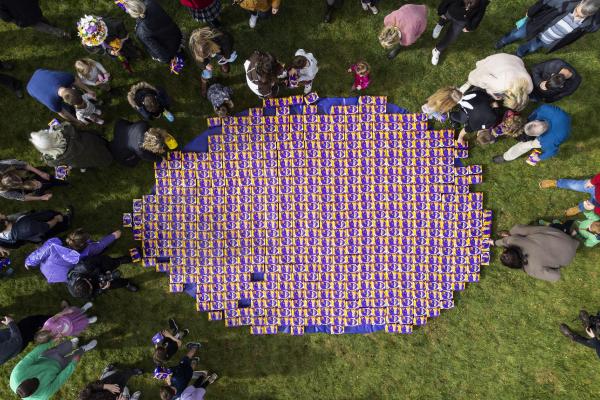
(541, 251)
(168, 341)
(177, 383)
(590, 186)
(95, 275)
(548, 127)
(42, 372)
(403, 27)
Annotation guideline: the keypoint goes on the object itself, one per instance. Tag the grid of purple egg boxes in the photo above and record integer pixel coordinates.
(307, 224)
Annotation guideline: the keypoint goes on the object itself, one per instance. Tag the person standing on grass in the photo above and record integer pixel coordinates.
(157, 31)
(11, 342)
(55, 260)
(403, 27)
(27, 13)
(553, 80)
(259, 8)
(331, 6)
(553, 24)
(71, 321)
(92, 73)
(207, 44)
(42, 372)
(370, 5)
(504, 77)
(460, 16)
(136, 141)
(50, 87)
(12, 84)
(62, 145)
(20, 181)
(590, 186)
(32, 227)
(150, 101)
(112, 385)
(548, 128)
(541, 251)
(263, 72)
(303, 70)
(207, 11)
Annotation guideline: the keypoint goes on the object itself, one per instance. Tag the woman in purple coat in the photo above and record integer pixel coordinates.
(56, 259)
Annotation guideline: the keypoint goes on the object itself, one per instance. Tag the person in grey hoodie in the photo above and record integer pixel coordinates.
(541, 251)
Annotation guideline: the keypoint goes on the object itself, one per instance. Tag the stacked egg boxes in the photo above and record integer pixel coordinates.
(354, 218)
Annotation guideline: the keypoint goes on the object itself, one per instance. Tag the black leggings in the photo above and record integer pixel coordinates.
(566, 227)
(452, 32)
(47, 185)
(591, 342)
(120, 377)
(11, 83)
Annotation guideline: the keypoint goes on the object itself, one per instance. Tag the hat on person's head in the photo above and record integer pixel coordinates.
(92, 30)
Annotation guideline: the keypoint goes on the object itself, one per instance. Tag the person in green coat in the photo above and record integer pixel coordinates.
(589, 229)
(42, 372)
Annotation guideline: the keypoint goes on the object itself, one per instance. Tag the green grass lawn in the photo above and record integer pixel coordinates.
(500, 342)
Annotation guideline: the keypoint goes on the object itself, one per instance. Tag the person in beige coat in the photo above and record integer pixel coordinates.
(258, 8)
(504, 77)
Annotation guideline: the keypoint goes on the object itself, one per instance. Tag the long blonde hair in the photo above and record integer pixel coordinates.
(154, 141)
(444, 99)
(13, 180)
(517, 96)
(84, 66)
(135, 8)
(389, 36)
(49, 142)
(202, 45)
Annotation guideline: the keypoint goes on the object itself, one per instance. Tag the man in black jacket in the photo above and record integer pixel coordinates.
(17, 229)
(553, 24)
(97, 274)
(553, 80)
(460, 16)
(25, 13)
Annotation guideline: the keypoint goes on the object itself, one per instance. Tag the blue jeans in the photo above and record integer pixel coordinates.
(577, 186)
(518, 34)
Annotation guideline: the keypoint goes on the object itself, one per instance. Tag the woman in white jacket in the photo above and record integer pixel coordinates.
(504, 77)
(303, 68)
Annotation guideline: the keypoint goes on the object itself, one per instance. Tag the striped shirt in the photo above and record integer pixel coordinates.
(561, 29)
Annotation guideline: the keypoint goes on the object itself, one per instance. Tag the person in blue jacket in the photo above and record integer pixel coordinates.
(548, 127)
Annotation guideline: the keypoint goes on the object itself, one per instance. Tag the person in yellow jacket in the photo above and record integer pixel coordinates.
(259, 8)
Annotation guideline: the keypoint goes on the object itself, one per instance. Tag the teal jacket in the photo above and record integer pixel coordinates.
(47, 371)
(589, 239)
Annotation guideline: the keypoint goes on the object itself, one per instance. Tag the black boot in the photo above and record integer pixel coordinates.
(565, 330)
(393, 53)
(328, 14)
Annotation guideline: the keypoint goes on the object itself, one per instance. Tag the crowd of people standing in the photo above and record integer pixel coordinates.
(490, 105)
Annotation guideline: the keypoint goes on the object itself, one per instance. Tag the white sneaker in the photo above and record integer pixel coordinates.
(136, 395)
(435, 56)
(365, 6)
(93, 319)
(91, 345)
(253, 20)
(437, 29)
(307, 89)
(374, 10)
(87, 306)
(75, 341)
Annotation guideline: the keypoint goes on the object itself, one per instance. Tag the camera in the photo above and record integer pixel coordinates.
(108, 277)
